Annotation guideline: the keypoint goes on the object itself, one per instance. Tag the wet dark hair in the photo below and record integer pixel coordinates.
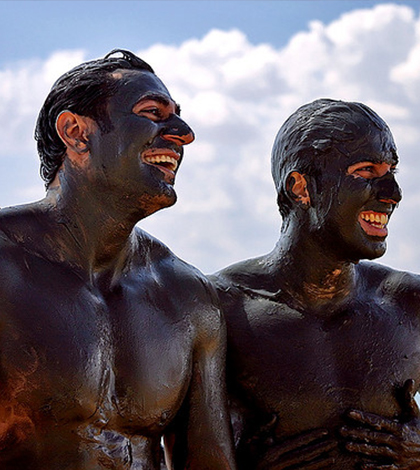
(84, 90)
(316, 131)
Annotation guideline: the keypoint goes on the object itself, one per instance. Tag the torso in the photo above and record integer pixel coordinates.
(92, 376)
(308, 370)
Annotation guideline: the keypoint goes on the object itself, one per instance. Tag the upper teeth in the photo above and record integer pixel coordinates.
(375, 218)
(161, 159)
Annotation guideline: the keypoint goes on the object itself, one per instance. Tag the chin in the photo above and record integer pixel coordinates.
(372, 250)
(378, 252)
(170, 195)
(153, 203)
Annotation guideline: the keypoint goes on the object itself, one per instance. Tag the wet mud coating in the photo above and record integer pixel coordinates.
(108, 341)
(324, 346)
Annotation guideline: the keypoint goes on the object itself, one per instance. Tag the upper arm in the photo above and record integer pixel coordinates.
(200, 437)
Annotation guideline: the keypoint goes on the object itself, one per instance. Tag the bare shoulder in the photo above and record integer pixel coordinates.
(192, 288)
(244, 279)
(250, 273)
(402, 287)
(11, 230)
(20, 223)
(13, 266)
(175, 270)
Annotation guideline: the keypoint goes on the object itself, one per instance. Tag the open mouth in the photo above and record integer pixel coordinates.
(164, 159)
(374, 223)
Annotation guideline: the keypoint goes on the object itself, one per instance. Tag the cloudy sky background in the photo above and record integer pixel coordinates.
(239, 69)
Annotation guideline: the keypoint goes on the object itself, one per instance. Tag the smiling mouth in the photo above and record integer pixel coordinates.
(374, 223)
(164, 159)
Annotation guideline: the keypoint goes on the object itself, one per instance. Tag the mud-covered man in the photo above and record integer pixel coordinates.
(324, 350)
(107, 340)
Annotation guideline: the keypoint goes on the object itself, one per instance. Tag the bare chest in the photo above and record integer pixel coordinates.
(73, 356)
(311, 370)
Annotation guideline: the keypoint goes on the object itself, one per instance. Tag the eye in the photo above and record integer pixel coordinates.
(365, 169)
(156, 109)
(152, 112)
(370, 170)
(151, 109)
(362, 170)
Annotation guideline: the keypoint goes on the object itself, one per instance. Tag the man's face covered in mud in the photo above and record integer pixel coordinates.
(140, 156)
(356, 193)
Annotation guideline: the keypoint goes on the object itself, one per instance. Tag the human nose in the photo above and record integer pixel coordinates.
(178, 131)
(387, 189)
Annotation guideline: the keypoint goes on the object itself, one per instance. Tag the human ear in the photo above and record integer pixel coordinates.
(297, 188)
(74, 131)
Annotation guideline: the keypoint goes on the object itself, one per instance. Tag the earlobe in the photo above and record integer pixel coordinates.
(297, 188)
(74, 131)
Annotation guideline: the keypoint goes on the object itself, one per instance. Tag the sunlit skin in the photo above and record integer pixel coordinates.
(324, 350)
(108, 341)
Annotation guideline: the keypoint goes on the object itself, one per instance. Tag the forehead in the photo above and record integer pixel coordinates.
(371, 145)
(134, 85)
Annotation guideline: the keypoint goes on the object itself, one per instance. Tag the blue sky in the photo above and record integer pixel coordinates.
(239, 69)
(36, 28)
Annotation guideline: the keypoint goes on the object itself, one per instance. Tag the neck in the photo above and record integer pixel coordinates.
(311, 274)
(92, 229)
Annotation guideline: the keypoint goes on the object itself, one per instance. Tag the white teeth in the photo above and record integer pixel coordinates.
(375, 218)
(162, 159)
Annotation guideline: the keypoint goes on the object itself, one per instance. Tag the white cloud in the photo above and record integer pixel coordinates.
(236, 95)
(23, 89)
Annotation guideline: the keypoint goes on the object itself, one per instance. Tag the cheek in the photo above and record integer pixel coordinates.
(139, 130)
(355, 192)
(343, 202)
(131, 136)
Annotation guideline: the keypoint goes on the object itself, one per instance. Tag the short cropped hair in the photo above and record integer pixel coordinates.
(314, 132)
(84, 90)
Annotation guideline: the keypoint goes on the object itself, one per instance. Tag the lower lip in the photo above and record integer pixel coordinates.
(169, 174)
(371, 230)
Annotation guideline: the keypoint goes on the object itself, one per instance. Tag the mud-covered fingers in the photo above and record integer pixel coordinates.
(372, 450)
(376, 422)
(370, 437)
(318, 464)
(410, 465)
(303, 440)
(374, 466)
(303, 457)
(295, 443)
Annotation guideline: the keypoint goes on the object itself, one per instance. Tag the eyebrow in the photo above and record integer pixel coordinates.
(160, 99)
(380, 158)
